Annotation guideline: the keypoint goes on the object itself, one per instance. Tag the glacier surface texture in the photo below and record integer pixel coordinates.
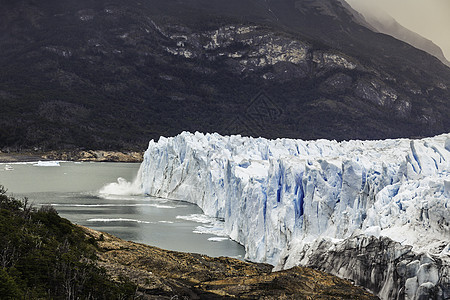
(376, 212)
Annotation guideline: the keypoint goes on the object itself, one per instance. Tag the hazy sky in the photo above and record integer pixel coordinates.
(429, 18)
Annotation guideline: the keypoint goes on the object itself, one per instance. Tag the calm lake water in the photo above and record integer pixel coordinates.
(73, 189)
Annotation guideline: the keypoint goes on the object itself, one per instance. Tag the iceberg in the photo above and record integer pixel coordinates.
(46, 164)
(292, 202)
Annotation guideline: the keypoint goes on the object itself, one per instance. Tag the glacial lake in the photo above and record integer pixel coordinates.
(73, 190)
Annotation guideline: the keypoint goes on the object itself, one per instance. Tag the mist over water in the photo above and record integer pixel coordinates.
(427, 18)
(107, 197)
(121, 187)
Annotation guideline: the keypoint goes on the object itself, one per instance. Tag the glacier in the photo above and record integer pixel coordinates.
(375, 212)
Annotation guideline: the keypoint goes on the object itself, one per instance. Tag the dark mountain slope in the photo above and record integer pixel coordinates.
(114, 74)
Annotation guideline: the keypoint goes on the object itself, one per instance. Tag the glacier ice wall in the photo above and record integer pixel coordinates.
(284, 198)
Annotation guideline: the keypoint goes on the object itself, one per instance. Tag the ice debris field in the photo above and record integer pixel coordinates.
(279, 197)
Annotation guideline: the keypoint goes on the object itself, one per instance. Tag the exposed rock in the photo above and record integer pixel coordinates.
(95, 156)
(162, 274)
(253, 48)
(99, 156)
(385, 267)
(338, 83)
(333, 60)
(376, 92)
(403, 108)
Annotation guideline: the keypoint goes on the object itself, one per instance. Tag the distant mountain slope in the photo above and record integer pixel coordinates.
(115, 74)
(382, 22)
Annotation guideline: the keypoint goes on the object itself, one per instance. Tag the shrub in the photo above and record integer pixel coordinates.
(45, 256)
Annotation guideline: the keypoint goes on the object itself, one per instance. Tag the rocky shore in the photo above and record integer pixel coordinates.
(163, 274)
(97, 155)
(88, 155)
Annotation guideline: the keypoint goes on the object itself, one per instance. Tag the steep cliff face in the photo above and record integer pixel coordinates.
(112, 74)
(363, 210)
(385, 267)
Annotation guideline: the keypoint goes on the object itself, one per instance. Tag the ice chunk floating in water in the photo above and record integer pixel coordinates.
(210, 225)
(282, 198)
(47, 164)
(120, 220)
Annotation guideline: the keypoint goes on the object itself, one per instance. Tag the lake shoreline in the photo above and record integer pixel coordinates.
(76, 155)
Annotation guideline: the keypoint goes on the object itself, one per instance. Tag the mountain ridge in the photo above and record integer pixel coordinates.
(112, 74)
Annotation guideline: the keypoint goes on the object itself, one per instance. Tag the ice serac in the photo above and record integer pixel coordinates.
(376, 212)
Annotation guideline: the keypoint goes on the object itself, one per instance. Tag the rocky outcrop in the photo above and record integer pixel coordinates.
(248, 49)
(90, 155)
(98, 156)
(162, 274)
(387, 268)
